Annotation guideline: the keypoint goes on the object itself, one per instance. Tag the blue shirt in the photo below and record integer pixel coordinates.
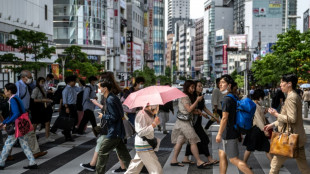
(69, 95)
(89, 94)
(15, 111)
(23, 93)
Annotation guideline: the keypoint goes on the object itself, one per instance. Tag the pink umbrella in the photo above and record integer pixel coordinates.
(153, 95)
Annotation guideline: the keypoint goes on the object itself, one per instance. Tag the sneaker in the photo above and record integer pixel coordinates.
(49, 139)
(31, 167)
(88, 167)
(119, 170)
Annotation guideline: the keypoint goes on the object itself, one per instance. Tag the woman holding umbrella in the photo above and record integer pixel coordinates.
(183, 131)
(145, 123)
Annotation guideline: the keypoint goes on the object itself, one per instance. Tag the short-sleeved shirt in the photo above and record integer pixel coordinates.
(230, 106)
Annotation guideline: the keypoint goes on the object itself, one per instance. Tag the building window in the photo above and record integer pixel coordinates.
(45, 12)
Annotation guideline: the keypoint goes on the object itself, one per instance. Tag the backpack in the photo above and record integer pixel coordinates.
(57, 96)
(245, 113)
(79, 99)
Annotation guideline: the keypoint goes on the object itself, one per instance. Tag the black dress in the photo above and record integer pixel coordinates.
(204, 139)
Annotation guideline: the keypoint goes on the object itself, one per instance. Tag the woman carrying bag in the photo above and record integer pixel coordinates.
(291, 115)
(16, 110)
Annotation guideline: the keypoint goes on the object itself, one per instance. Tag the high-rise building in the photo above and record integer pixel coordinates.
(177, 10)
(199, 46)
(292, 13)
(135, 28)
(190, 51)
(169, 50)
(306, 22)
(158, 31)
(80, 23)
(25, 15)
(213, 8)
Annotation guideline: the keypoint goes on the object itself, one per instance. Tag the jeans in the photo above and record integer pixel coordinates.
(8, 146)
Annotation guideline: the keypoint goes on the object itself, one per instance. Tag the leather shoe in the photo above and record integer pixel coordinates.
(39, 154)
(31, 167)
(10, 158)
(69, 139)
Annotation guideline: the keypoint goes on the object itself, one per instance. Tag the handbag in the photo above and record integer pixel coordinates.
(23, 125)
(153, 142)
(64, 121)
(184, 117)
(284, 144)
(10, 129)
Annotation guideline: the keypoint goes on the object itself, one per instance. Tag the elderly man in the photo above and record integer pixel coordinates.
(23, 92)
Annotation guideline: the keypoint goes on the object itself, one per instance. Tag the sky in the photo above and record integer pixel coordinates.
(197, 8)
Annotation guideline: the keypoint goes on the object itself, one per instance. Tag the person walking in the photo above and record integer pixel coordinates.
(216, 99)
(227, 136)
(23, 92)
(145, 123)
(115, 128)
(291, 113)
(204, 139)
(16, 109)
(278, 100)
(257, 138)
(88, 106)
(138, 84)
(163, 114)
(183, 131)
(42, 113)
(306, 99)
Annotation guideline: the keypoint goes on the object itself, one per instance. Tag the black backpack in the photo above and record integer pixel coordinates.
(79, 99)
(58, 95)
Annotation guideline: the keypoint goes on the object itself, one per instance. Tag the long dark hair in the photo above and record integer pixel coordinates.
(38, 85)
(109, 76)
(186, 86)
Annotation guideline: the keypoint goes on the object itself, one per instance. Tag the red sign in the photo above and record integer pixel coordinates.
(129, 55)
(224, 54)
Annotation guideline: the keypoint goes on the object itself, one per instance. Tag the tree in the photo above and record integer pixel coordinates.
(76, 62)
(148, 74)
(291, 55)
(34, 43)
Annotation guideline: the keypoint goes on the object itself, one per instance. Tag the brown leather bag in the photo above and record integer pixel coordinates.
(284, 143)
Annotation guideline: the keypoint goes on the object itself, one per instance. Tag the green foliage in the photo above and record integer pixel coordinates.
(168, 71)
(164, 79)
(234, 75)
(182, 78)
(30, 42)
(76, 62)
(240, 81)
(291, 55)
(148, 74)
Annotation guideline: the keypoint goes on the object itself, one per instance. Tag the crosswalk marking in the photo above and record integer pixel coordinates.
(175, 169)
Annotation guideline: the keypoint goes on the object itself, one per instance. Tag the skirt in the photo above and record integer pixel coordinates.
(182, 132)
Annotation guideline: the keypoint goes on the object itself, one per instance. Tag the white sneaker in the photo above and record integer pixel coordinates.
(49, 139)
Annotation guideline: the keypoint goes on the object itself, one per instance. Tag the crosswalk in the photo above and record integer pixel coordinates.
(65, 157)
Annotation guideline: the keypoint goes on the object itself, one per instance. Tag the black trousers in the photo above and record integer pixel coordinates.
(88, 116)
(210, 122)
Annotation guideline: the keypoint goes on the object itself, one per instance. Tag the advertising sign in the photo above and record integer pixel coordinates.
(129, 56)
(267, 9)
(236, 41)
(219, 35)
(55, 71)
(224, 54)
(137, 56)
(103, 41)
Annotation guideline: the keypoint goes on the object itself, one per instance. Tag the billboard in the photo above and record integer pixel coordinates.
(137, 56)
(236, 41)
(55, 71)
(219, 35)
(267, 9)
(225, 55)
(306, 21)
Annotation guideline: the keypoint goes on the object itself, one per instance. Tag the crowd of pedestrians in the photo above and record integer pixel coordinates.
(77, 103)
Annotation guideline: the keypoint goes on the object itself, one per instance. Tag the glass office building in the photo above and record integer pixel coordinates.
(79, 22)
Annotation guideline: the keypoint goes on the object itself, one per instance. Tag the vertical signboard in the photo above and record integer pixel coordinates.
(225, 57)
(129, 50)
(137, 56)
(55, 71)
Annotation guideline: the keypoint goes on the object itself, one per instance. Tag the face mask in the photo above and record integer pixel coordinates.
(225, 91)
(29, 81)
(141, 86)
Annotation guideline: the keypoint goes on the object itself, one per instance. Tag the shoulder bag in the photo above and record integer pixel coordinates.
(284, 143)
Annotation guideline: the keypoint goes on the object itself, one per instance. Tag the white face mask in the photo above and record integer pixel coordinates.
(29, 81)
(141, 86)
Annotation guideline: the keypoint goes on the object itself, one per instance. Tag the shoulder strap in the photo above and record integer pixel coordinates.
(22, 97)
(232, 96)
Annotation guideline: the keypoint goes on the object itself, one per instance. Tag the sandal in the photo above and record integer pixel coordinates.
(188, 162)
(177, 164)
(204, 166)
(215, 162)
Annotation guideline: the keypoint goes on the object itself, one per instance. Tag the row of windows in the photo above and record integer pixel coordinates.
(138, 18)
(4, 37)
(78, 24)
(77, 33)
(81, 2)
(72, 10)
(138, 33)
